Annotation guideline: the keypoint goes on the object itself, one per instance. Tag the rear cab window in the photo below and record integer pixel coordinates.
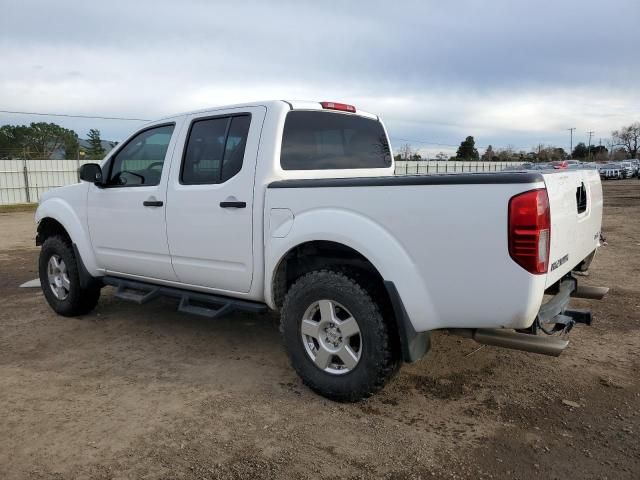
(321, 140)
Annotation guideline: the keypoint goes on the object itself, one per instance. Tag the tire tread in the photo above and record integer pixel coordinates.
(383, 369)
(81, 300)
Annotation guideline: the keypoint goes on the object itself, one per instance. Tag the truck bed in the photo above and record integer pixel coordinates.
(447, 234)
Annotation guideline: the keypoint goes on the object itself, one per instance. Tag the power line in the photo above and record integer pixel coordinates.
(100, 117)
(75, 116)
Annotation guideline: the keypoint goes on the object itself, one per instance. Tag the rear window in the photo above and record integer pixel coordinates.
(315, 140)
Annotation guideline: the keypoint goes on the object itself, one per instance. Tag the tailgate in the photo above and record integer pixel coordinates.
(575, 199)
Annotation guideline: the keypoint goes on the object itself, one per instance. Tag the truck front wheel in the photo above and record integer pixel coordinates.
(60, 279)
(336, 337)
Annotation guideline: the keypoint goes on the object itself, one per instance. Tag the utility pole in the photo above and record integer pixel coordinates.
(571, 144)
(589, 147)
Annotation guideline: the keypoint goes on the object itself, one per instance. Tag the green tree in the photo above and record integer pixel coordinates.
(599, 153)
(489, 155)
(38, 140)
(71, 146)
(13, 141)
(580, 151)
(43, 139)
(96, 150)
(549, 153)
(597, 149)
(560, 153)
(467, 150)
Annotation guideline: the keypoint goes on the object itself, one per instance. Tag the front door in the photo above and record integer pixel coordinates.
(210, 199)
(127, 214)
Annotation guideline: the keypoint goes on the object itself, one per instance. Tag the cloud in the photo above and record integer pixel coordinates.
(507, 72)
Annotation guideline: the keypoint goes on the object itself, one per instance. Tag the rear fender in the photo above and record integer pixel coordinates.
(366, 237)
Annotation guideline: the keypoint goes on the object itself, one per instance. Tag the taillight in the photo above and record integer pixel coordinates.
(338, 106)
(530, 230)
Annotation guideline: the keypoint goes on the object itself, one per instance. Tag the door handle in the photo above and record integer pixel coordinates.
(152, 203)
(233, 204)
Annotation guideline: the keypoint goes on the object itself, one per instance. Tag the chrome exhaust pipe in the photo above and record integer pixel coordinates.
(545, 345)
(585, 291)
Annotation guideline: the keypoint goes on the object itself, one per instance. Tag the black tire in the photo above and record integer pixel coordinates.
(79, 301)
(379, 360)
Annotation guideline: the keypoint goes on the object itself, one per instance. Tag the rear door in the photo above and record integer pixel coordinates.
(210, 199)
(575, 199)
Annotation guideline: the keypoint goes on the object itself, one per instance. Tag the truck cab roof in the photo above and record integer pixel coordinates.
(269, 104)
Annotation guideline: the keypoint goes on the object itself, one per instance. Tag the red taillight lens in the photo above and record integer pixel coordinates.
(530, 230)
(338, 106)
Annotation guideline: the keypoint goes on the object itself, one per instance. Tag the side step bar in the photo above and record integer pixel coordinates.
(196, 303)
(545, 345)
(585, 291)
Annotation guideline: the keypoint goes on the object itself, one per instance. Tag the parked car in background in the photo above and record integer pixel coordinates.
(560, 164)
(630, 169)
(611, 171)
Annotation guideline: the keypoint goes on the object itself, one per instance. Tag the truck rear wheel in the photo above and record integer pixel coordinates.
(336, 337)
(60, 279)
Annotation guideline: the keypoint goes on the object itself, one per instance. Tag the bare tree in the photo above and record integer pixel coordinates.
(506, 154)
(629, 137)
(619, 154)
(406, 152)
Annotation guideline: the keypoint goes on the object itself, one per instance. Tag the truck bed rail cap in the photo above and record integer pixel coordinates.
(444, 179)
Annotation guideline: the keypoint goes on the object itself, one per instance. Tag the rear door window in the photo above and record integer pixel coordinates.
(317, 140)
(215, 150)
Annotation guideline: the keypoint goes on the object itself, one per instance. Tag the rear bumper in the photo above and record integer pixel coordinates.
(554, 317)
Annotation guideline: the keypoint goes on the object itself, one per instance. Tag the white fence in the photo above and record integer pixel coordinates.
(22, 181)
(430, 167)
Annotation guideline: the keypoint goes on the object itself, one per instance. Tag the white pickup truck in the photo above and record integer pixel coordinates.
(294, 206)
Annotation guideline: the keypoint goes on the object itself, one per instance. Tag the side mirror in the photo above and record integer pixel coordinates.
(91, 172)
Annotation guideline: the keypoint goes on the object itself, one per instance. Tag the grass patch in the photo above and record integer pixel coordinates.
(18, 207)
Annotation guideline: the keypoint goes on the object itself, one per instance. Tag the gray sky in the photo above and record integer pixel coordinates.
(507, 72)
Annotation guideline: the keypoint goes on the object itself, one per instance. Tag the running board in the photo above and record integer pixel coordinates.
(134, 295)
(545, 345)
(585, 291)
(195, 303)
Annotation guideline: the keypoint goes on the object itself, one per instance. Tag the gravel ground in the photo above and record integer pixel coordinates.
(144, 392)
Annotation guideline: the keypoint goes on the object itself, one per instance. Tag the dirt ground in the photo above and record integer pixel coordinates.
(144, 392)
